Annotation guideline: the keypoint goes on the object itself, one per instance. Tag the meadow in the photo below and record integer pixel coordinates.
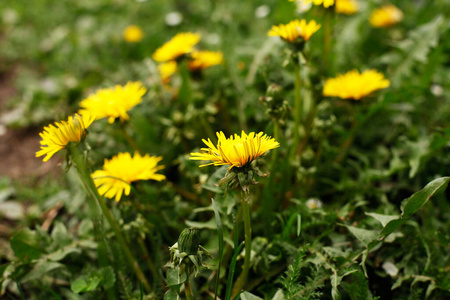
(212, 149)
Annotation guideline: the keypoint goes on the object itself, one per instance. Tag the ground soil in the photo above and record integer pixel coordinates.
(18, 146)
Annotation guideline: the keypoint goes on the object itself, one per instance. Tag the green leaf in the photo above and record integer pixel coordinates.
(415, 202)
(109, 277)
(279, 295)
(174, 279)
(248, 296)
(383, 219)
(25, 245)
(40, 269)
(363, 235)
(211, 224)
(171, 294)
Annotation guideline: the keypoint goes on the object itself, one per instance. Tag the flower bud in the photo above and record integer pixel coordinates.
(189, 241)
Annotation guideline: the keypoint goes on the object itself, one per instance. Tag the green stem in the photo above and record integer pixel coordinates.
(297, 110)
(188, 289)
(79, 161)
(329, 13)
(276, 136)
(242, 280)
(129, 139)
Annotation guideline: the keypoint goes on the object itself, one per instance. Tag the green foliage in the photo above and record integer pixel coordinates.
(361, 210)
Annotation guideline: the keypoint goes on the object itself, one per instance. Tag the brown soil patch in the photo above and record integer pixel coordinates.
(18, 146)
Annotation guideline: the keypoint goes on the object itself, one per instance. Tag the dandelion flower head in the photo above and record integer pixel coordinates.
(235, 151)
(179, 45)
(295, 29)
(114, 102)
(204, 59)
(120, 171)
(325, 3)
(386, 16)
(354, 85)
(132, 34)
(347, 7)
(166, 70)
(56, 137)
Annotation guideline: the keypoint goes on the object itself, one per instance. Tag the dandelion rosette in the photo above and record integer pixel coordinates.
(294, 30)
(132, 34)
(181, 44)
(346, 7)
(120, 171)
(166, 70)
(325, 3)
(386, 16)
(114, 102)
(354, 85)
(204, 59)
(57, 137)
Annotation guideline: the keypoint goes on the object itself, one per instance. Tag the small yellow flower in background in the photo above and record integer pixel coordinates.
(235, 151)
(133, 34)
(354, 85)
(166, 70)
(295, 29)
(347, 7)
(57, 138)
(121, 170)
(325, 3)
(179, 45)
(204, 59)
(114, 102)
(386, 16)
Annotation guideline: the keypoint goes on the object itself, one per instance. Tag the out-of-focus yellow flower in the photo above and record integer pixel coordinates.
(347, 7)
(325, 3)
(354, 85)
(114, 102)
(121, 170)
(204, 59)
(133, 34)
(235, 151)
(166, 70)
(57, 138)
(386, 16)
(180, 44)
(295, 29)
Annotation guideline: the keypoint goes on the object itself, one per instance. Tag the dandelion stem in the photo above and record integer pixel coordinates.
(129, 139)
(329, 13)
(242, 280)
(79, 161)
(297, 110)
(188, 289)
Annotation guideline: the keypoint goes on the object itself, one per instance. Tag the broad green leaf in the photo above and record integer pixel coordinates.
(25, 245)
(363, 235)
(40, 269)
(248, 296)
(171, 294)
(415, 202)
(383, 219)
(173, 277)
(211, 224)
(109, 277)
(63, 252)
(279, 295)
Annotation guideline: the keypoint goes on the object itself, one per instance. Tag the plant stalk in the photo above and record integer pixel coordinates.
(242, 280)
(79, 161)
(297, 110)
(188, 289)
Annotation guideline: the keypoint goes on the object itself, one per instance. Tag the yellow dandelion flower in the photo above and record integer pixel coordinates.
(166, 70)
(132, 34)
(120, 171)
(179, 45)
(204, 59)
(295, 29)
(354, 85)
(114, 102)
(57, 138)
(235, 151)
(386, 16)
(325, 3)
(347, 7)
